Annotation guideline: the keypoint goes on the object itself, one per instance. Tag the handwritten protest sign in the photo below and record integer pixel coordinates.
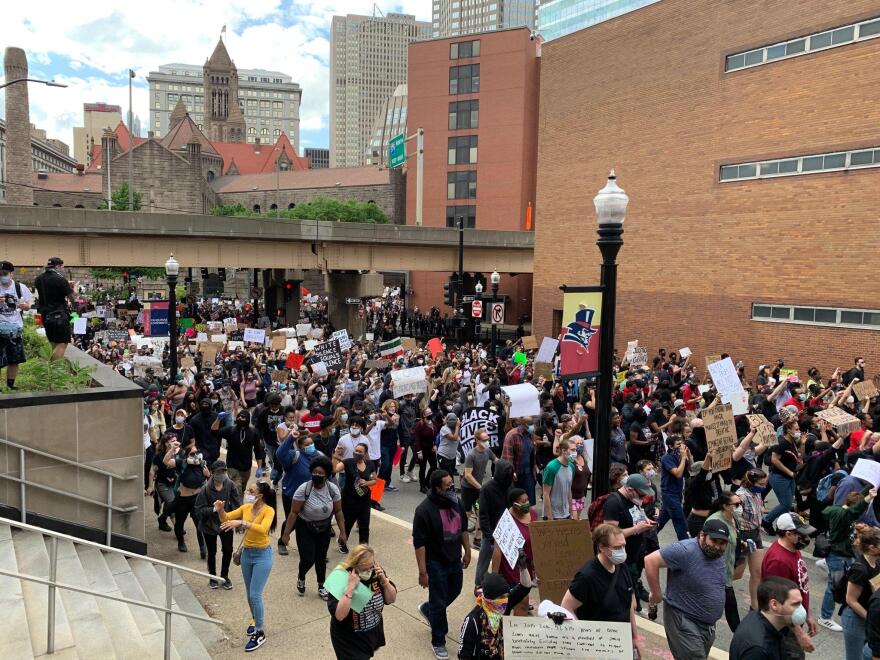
(535, 638)
(868, 470)
(547, 350)
(377, 364)
(256, 335)
(230, 324)
(720, 435)
(280, 375)
(865, 390)
(210, 349)
(235, 345)
(342, 337)
(144, 362)
(303, 329)
(508, 538)
(409, 344)
(476, 419)
(842, 421)
(218, 339)
(727, 382)
(523, 400)
(544, 369)
(639, 356)
(279, 342)
(530, 343)
(310, 344)
(630, 347)
(330, 354)
(319, 368)
(684, 352)
(117, 335)
(79, 325)
(186, 362)
(559, 548)
(409, 381)
(764, 432)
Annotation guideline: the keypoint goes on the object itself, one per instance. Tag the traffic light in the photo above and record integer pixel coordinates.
(125, 277)
(289, 289)
(204, 273)
(449, 291)
(221, 273)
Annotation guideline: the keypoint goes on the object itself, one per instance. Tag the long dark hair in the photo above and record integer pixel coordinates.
(269, 499)
(723, 500)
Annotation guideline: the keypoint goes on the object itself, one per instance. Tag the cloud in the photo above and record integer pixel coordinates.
(90, 46)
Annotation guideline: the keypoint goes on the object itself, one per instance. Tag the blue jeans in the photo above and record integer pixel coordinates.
(672, 510)
(526, 481)
(837, 565)
(385, 467)
(444, 586)
(853, 634)
(783, 488)
(256, 563)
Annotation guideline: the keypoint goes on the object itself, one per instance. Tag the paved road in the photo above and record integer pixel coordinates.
(828, 644)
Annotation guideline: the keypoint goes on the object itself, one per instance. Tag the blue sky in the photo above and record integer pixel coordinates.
(91, 45)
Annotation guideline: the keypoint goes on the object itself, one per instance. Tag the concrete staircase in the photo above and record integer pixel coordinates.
(88, 626)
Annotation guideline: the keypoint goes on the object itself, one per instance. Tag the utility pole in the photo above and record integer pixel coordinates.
(459, 303)
(109, 185)
(130, 145)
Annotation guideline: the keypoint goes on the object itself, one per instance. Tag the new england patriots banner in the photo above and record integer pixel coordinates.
(579, 341)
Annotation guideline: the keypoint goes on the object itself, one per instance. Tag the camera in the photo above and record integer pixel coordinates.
(10, 302)
(194, 459)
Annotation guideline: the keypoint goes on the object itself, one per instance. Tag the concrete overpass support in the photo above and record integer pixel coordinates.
(342, 286)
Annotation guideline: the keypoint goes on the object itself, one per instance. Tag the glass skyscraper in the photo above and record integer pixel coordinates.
(556, 18)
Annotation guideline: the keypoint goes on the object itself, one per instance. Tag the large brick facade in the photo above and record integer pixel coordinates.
(647, 93)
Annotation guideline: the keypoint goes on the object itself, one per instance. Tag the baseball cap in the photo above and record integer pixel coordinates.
(639, 483)
(218, 465)
(494, 586)
(677, 404)
(793, 522)
(7, 266)
(715, 529)
(451, 418)
(55, 261)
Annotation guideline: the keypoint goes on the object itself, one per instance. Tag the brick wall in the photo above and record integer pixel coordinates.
(67, 199)
(646, 93)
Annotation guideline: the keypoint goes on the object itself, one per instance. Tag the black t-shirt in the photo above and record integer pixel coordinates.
(861, 573)
(183, 435)
(53, 290)
(787, 453)
(352, 474)
(618, 508)
(164, 474)
(359, 635)
(604, 596)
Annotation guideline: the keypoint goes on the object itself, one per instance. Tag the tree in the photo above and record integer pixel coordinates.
(120, 199)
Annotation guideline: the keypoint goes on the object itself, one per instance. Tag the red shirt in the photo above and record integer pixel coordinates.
(312, 422)
(781, 562)
(855, 440)
(793, 401)
(688, 393)
(512, 574)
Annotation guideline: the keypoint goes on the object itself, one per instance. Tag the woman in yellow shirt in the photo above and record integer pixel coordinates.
(257, 517)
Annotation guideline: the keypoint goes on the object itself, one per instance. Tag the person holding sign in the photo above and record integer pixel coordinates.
(784, 460)
(482, 631)
(357, 630)
(522, 514)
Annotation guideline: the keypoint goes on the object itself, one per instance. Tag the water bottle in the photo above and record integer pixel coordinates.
(652, 611)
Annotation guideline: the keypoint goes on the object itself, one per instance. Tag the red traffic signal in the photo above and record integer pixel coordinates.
(289, 285)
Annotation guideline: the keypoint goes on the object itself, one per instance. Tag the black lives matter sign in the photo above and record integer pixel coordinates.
(473, 420)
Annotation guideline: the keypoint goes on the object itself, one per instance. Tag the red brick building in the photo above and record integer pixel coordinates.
(745, 134)
(476, 97)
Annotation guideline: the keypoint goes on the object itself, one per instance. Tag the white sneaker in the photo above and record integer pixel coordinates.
(830, 624)
(406, 478)
(821, 563)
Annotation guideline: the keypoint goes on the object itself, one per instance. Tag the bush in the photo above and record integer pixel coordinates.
(321, 208)
(40, 375)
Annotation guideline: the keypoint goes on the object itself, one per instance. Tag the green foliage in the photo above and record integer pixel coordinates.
(150, 273)
(40, 375)
(120, 199)
(321, 208)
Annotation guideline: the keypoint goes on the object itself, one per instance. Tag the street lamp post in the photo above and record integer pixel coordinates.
(478, 295)
(172, 268)
(48, 83)
(495, 278)
(610, 205)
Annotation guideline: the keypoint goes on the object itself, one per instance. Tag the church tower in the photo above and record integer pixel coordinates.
(223, 121)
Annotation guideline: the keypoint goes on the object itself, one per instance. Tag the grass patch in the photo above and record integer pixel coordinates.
(40, 375)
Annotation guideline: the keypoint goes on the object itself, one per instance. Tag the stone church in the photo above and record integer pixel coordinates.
(223, 121)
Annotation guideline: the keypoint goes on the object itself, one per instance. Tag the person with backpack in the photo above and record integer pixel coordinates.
(858, 591)
(294, 456)
(840, 518)
(15, 298)
(54, 293)
(219, 487)
(596, 510)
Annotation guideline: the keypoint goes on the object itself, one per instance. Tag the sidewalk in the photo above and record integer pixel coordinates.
(302, 625)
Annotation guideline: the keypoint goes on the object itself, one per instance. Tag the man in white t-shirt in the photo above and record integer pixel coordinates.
(374, 442)
(14, 299)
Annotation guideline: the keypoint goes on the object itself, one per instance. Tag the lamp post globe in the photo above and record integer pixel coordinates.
(495, 278)
(611, 203)
(478, 288)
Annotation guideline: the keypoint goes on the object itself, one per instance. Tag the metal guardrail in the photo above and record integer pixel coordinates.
(23, 482)
(53, 584)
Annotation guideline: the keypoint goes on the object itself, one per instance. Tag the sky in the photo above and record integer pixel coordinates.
(90, 45)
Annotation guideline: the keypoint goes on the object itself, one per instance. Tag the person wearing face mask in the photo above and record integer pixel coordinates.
(482, 631)
(523, 573)
(243, 446)
(602, 590)
(15, 297)
(358, 635)
(519, 449)
(192, 471)
(180, 429)
(360, 477)
(218, 487)
(202, 424)
(761, 635)
(784, 460)
(389, 437)
(672, 467)
(694, 597)
(54, 292)
(295, 455)
(354, 436)
(424, 433)
(475, 463)
(729, 510)
(750, 493)
(557, 478)
(409, 414)
(783, 559)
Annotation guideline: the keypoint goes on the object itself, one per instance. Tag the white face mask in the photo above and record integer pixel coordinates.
(618, 556)
(355, 432)
(180, 419)
(250, 499)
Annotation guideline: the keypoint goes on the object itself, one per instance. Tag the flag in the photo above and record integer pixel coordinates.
(390, 349)
(223, 31)
(579, 343)
(294, 361)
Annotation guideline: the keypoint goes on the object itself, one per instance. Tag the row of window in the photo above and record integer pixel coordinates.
(461, 185)
(838, 316)
(810, 43)
(464, 79)
(464, 114)
(462, 150)
(794, 165)
(468, 215)
(464, 49)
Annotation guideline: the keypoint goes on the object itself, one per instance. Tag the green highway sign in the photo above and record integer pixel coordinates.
(397, 151)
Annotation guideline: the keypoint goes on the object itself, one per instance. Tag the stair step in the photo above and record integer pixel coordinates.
(186, 600)
(33, 559)
(127, 639)
(16, 644)
(183, 637)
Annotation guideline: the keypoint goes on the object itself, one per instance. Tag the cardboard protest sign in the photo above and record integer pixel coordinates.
(209, 350)
(408, 381)
(547, 350)
(476, 419)
(278, 342)
(765, 434)
(342, 337)
(639, 356)
(330, 354)
(865, 390)
(544, 369)
(409, 344)
(559, 548)
(230, 324)
(280, 376)
(537, 638)
(186, 362)
(530, 343)
(842, 421)
(256, 335)
(684, 352)
(868, 470)
(215, 327)
(720, 435)
(523, 400)
(508, 538)
(303, 329)
(377, 364)
(294, 361)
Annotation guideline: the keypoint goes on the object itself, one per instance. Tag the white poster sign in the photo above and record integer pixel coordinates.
(508, 538)
(255, 335)
(235, 345)
(344, 339)
(534, 638)
(727, 382)
(303, 329)
(868, 470)
(310, 344)
(523, 400)
(319, 368)
(220, 339)
(202, 336)
(292, 345)
(409, 381)
(79, 325)
(684, 352)
(547, 350)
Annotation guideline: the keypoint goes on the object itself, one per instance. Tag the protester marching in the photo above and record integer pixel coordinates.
(751, 472)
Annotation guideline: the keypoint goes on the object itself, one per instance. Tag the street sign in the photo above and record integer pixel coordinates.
(477, 309)
(352, 301)
(397, 150)
(468, 299)
(496, 313)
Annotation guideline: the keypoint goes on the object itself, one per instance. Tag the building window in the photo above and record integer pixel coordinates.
(463, 150)
(461, 185)
(793, 165)
(464, 49)
(810, 43)
(252, 131)
(833, 316)
(264, 131)
(464, 79)
(466, 213)
(464, 114)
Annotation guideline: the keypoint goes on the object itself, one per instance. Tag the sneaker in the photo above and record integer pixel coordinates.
(475, 544)
(830, 624)
(213, 584)
(343, 548)
(423, 610)
(821, 563)
(301, 587)
(423, 490)
(164, 526)
(182, 547)
(377, 506)
(323, 593)
(411, 476)
(227, 584)
(251, 629)
(390, 489)
(405, 478)
(256, 641)
(768, 528)
(440, 652)
(282, 549)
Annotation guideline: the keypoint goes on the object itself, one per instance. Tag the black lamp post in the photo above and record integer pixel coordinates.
(495, 278)
(610, 212)
(172, 268)
(478, 295)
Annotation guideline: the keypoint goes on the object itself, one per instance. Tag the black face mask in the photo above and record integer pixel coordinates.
(242, 422)
(318, 480)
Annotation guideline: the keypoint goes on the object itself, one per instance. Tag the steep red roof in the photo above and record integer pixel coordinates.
(122, 137)
(69, 182)
(250, 161)
(184, 131)
(297, 180)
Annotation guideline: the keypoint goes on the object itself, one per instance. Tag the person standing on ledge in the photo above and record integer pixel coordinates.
(14, 298)
(54, 290)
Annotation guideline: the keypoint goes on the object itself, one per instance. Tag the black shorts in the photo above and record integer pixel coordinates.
(58, 329)
(11, 349)
(469, 497)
